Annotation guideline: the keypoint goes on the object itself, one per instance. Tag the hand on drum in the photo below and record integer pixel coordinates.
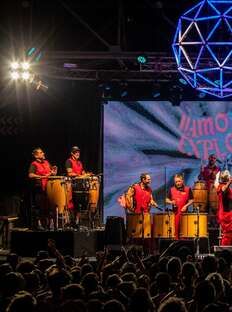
(54, 170)
(153, 203)
(184, 208)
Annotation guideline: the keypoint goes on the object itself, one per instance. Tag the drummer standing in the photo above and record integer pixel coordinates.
(180, 197)
(39, 171)
(74, 168)
(139, 195)
(209, 172)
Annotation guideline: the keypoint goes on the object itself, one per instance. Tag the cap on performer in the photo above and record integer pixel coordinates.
(73, 165)
(74, 169)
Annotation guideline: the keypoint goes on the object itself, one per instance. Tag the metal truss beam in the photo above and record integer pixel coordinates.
(114, 66)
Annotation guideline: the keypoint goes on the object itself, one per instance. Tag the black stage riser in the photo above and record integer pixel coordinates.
(27, 244)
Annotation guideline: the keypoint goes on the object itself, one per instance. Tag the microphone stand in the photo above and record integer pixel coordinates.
(197, 234)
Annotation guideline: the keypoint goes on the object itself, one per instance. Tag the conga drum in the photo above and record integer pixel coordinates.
(213, 199)
(164, 225)
(193, 225)
(94, 188)
(138, 225)
(200, 196)
(56, 193)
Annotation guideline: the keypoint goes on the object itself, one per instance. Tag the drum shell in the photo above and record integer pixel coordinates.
(94, 190)
(213, 199)
(138, 225)
(80, 185)
(188, 225)
(56, 194)
(200, 196)
(164, 225)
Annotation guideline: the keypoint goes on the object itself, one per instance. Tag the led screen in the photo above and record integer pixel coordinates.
(161, 139)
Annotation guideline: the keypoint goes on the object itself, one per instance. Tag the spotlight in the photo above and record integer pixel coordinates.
(25, 75)
(142, 59)
(14, 75)
(21, 72)
(14, 65)
(25, 65)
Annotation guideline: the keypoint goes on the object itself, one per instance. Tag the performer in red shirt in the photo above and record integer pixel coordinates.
(225, 207)
(39, 171)
(209, 172)
(139, 195)
(180, 197)
(75, 169)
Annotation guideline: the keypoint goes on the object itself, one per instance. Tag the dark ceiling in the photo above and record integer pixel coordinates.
(134, 25)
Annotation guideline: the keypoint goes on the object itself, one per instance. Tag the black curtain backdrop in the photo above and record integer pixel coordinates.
(68, 114)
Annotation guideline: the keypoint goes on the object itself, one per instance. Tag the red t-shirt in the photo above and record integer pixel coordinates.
(142, 198)
(75, 165)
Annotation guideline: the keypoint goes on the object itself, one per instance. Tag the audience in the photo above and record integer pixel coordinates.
(128, 282)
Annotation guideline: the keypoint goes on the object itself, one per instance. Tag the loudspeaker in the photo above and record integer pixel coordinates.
(115, 232)
(28, 243)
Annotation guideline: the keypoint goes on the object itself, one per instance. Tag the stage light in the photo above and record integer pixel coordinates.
(21, 73)
(25, 75)
(25, 65)
(183, 81)
(142, 59)
(155, 94)
(107, 87)
(31, 51)
(14, 65)
(123, 89)
(14, 75)
(201, 95)
(124, 93)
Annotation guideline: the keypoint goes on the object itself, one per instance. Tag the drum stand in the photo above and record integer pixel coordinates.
(168, 222)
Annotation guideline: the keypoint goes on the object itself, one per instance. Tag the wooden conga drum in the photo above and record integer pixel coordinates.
(94, 190)
(138, 225)
(164, 225)
(213, 200)
(200, 196)
(56, 193)
(193, 225)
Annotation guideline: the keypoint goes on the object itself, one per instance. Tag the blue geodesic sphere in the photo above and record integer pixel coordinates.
(203, 47)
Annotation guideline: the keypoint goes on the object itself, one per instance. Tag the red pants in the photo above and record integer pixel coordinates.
(226, 239)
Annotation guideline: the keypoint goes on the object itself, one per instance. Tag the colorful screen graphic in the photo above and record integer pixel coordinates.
(161, 139)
